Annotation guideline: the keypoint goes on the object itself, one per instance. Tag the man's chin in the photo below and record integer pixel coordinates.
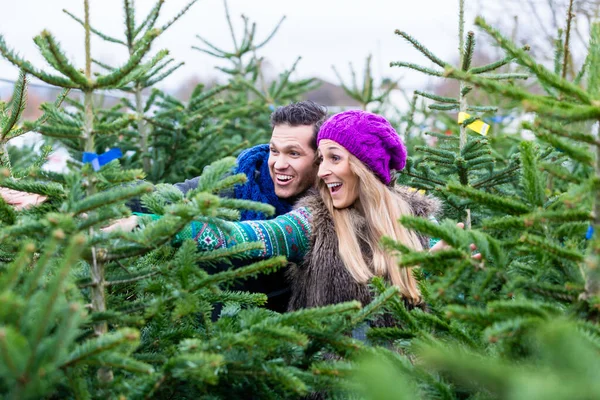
(285, 194)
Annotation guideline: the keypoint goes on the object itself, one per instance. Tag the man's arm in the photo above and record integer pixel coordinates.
(187, 185)
(288, 234)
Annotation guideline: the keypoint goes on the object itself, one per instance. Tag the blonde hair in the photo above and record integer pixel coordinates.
(381, 210)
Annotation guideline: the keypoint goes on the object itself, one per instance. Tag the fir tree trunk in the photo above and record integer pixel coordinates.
(463, 98)
(4, 159)
(142, 129)
(97, 268)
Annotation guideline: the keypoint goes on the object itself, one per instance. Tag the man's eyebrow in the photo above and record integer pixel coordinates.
(288, 147)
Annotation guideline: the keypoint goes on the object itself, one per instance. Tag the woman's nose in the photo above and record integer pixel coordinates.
(323, 171)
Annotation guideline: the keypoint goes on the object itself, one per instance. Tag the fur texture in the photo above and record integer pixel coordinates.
(322, 279)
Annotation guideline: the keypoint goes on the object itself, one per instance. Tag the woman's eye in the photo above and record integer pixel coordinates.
(335, 158)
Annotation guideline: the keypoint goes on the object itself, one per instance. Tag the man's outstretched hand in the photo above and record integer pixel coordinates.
(21, 200)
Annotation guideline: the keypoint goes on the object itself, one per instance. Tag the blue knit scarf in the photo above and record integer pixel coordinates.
(258, 188)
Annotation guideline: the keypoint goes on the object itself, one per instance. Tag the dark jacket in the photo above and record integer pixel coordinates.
(259, 187)
(322, 279)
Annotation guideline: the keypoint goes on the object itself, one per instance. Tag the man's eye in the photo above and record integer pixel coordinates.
(273, 151)
(295, 154)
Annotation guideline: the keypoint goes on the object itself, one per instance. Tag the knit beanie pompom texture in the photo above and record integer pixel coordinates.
(370, 138)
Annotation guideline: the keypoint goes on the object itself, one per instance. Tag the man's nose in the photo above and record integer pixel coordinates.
(281, 162)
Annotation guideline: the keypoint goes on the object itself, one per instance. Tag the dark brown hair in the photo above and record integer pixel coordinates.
(302, 113)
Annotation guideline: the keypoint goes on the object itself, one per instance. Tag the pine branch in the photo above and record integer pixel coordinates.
(531, 179)
(156, 79)
(30, 69)
(55, 287)
(97, 200)
(566, 53)
(593, 83)
(477, 154)
(540, 71)
(129, 22)
(100, 34)
(62, 64)
(421, 48)
(118, 361)
(561, 130)
(564, 111)
(265, 266)
(375, 305)
(11, 274)
(496, 64)
(560, 172)
(499, 77)
(546, 247)
(444, 107)
(494, 202)
(32, 281)
(105, 343)
(435, 97)
(17, 104)
(536, 219)
(108, 81)
(179, 15)
(416, 67)
(151, 18)
(239, 251)
(467, 53)
(578, 153)
(482, 108)
(284, 80)
(445, 154)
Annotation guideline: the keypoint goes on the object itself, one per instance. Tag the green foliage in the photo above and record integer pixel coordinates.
(369, 94)
(93, 314)
(525, 317)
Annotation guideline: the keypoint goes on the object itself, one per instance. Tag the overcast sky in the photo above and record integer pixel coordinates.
(323, 32)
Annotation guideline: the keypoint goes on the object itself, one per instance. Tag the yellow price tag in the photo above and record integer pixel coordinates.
(415, 190)
(478, 126)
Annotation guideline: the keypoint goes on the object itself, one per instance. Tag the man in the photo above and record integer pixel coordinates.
(277, 173)
(281, 171)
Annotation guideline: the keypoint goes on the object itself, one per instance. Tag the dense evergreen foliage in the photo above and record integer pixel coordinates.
(87, 314)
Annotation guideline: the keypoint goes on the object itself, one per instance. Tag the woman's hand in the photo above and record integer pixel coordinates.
(124, 224)
(441, 245)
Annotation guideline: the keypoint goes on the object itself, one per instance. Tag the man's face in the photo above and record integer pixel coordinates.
(291, 160)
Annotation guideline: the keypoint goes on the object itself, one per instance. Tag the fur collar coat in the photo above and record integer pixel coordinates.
(322, 279)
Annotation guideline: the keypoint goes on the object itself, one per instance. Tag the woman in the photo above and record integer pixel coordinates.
(354, 208)
(334, 233)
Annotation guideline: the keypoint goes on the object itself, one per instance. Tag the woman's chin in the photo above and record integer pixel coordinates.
(339, 204)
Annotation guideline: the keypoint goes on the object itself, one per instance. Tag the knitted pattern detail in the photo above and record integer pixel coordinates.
(259, 186)
(286, 235)
(433, 241)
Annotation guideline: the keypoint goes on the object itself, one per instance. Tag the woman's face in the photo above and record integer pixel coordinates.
(335, 171)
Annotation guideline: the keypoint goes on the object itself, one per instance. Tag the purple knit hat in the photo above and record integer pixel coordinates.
(370, 138)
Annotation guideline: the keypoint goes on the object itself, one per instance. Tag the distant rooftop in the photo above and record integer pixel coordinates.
(330, 95)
